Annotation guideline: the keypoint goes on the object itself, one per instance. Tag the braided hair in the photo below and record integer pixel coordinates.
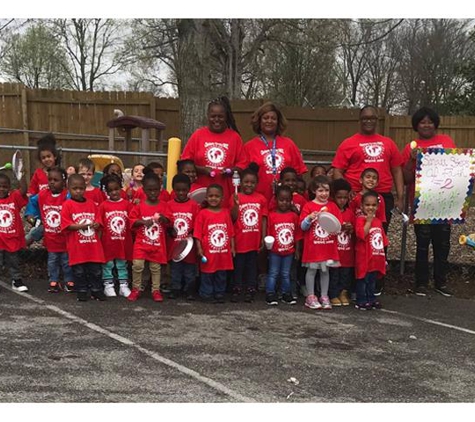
(224, 102)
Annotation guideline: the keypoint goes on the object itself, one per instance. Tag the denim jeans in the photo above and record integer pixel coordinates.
(279, 265)
(365, 289)
(439, 235)
(213, 284)
(120, 264)
(182, 274)
(340, 279)
(57, 260)
(245, 271)
(87, 275)
(11, 261)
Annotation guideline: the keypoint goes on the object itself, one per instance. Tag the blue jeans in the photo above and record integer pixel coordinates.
(213, 284)
(182, 274)
(365, 289)
(279, 265)
(340, 279)
(57, 260)
(245, 271)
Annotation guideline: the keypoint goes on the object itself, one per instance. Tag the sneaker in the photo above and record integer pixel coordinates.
(362, 306)
(173, 294)
(219, 298)
(288, 299)
(312, 302)
(353, 297)
(421, 291)
(109, 290)
(271, 299)
(134, 295)
(124, 290)
(190, 297)
(82, 296)
(344, 299)
(157, 296)
(248, 297)
(98, 295)
(444, 291)
(165, 288)
(326, 304)
(69, 287)
(19, 286)
(235, 297)
(54, 287)
(376, 305)
(335, 301)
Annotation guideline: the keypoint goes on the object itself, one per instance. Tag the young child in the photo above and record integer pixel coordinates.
(342, 277)
(288, 177)
(12, 235)
(369, 181)
(50, 204)
(48, 156)
(214, 234)
(302, 187)
(370, 243)
(320, 251)
(159, 170)
(318, 170)
(86, 169)
(183, 212)
(116, 235)
(114, 168)
(79, 223)
(283, 226)
(149, 218)
(135, 184)
(249, 214)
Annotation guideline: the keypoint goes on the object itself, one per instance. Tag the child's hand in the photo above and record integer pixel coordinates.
(136, 201)
(370, 216)
(297, 255)
(312, 216)
(347, 227)
(148, 223)
(236, 198)
(95, 225)
(294, 209)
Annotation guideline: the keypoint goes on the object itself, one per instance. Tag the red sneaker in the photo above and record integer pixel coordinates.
(157, 296)
(134, 295)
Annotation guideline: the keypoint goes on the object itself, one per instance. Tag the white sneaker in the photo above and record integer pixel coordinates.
(19, 286)
(109, 290)
(124, 290)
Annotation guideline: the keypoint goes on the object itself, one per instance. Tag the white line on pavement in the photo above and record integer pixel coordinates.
(190, 372)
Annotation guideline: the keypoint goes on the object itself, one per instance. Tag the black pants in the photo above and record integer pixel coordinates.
(245, 272)
(439, 235)
(87, 275)
(11, 261)
(340, 279)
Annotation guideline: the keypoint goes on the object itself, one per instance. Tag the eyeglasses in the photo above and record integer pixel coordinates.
(368, 119)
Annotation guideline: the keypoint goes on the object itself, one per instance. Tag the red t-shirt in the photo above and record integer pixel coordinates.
(318, 244)
(248, 226)
(438, 141)
(297, 200)
(95, 195)
(50, 206)
(346, 242)
(150, 242)
(287, 155)
(355, 206)
(360, 152)
(217, 151)
(12, 234)
(370, 249)
(214, 230)
(83, 245)
(116, 233)
(285, 229)
(38, 182)
(182, 217)
(193, 187)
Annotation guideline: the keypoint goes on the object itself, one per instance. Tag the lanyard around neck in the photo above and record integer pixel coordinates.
(272, 151)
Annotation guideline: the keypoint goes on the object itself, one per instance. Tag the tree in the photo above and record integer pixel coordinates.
(35, 58)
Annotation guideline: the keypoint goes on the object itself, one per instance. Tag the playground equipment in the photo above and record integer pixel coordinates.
(467, 240)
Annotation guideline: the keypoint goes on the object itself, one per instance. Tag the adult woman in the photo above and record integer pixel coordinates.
(368, 149)
(425, 122)
(216, 149)
(270, 150)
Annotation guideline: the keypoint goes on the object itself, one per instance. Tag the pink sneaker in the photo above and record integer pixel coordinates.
(326, 304)
(312, 302)
(157, 296)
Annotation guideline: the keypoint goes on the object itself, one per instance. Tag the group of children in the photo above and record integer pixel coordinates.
(95, 236)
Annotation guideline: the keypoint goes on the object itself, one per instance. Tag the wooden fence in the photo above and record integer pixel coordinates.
(86, 113)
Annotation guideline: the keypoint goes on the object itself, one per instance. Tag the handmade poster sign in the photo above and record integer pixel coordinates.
(444, 183)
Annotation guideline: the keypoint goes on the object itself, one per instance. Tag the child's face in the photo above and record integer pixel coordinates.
(55, 182)
(87, 174)
(113, 190)
(318, 171)
(4, 187)
(70, 170)
(214, 197)
(369, 205)
(322, 193)
(159, 173)
(290, 180)
(181, 191)
(137, 173)
(47, 159)
(76, 189)
(284, 201)
(115, 169)
(300, 187)
(369, 181)
(341, 198)
(248, 184)
(152, 190)
(190, 171)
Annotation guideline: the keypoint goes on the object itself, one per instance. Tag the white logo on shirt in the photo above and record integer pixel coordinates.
(53, 219)
(6, 219)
